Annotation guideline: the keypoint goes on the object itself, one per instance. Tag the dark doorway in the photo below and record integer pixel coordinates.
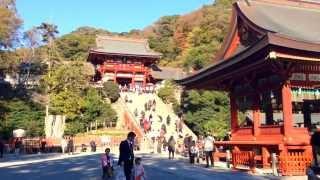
(124, 81)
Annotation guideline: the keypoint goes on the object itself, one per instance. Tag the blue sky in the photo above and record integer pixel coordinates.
(113, 15)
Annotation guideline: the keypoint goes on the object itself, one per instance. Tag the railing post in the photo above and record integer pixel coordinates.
(274, 164)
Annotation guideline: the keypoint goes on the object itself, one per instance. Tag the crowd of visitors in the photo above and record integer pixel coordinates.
(138, 88)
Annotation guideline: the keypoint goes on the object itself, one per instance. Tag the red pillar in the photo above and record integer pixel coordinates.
(115, 77)
(234, 113)
(144, 80)
(287, 108)
(132, 80)
(256, 115)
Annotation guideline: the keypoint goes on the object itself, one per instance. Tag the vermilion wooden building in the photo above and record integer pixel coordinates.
(123, 60)
(269, 64)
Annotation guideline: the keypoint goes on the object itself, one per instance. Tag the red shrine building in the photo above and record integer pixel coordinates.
(269, 64)
(123, 60)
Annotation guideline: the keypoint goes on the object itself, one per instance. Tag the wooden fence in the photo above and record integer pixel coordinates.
(243, 160)
(294, 163)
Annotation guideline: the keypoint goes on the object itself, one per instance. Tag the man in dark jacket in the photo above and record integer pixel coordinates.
(126, 157)
(1, 147)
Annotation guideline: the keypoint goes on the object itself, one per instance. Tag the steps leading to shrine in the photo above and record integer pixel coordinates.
(137, 101)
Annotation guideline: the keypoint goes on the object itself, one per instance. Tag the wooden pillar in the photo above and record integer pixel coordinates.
(256, 115)
(133, 79)
(144, 80)
(265, 157)
(115, 77)
(234, 113)
(287, 108)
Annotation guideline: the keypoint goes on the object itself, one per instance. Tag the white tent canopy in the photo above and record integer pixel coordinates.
(19, 133)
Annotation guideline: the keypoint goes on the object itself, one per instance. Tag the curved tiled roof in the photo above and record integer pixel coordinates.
(293, 19)
(124, 46)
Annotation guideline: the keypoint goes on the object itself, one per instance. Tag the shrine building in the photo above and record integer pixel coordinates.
(125, 61)
(269, 64)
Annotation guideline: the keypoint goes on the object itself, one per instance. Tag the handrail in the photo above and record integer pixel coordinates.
(133, 117)
(172, 112)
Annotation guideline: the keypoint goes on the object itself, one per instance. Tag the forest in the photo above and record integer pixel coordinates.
(59, 63)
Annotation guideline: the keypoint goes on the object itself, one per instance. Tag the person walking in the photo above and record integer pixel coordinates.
(171, 147)
(193, 152)
(139, 173)
(126, 156)
(1, 148)
(107, 165)
(168, 120)
(70, 145)
(208, 149)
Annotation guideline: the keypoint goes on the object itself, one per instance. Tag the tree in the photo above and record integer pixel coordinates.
(96, 110)
(16, 113)
(48, 32)
(166, 93)
(9, 23)
(206, 111)
(111, 91)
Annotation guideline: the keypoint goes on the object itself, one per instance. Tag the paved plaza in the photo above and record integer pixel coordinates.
(87, 167)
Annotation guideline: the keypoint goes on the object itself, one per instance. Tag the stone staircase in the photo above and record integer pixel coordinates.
(138, 101)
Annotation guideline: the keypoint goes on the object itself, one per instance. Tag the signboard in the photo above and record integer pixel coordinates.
(298, 77)
(314, 77)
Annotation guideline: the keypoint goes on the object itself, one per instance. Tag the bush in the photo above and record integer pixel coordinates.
(111, 91)
(166, 93)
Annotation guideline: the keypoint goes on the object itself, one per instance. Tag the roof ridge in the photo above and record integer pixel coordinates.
(119, 38)
(293, 3)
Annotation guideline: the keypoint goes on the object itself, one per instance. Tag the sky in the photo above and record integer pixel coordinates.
(112, 15)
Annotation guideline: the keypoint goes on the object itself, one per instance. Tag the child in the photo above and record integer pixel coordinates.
(139, 173)
(107, 164)
(193, 152)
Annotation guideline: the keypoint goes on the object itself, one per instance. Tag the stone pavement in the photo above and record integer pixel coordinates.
(86, 166)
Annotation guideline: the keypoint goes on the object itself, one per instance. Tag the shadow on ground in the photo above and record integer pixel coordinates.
(182, 170)
(88, 168)
(73, 168)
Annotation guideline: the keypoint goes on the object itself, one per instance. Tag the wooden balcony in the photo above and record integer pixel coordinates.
(123, 68)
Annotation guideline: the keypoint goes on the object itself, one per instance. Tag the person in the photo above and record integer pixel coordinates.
(93, 146)
(168, 120)
(227, 137)
(159, 145)
(171, 147)
(136, 112)
(315, 142)
(43, 145)
(193, 152)
(164, 144)
(1, 148)
(64, 145)
(200, 144)
(164, 128)
(126, 156)
(139, 173)
(208, 149)
(107, 164)
(70, 145)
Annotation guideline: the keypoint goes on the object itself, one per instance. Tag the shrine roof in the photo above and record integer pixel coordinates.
(124, 46)
(290, 24)
(167, 73)
(297, 20)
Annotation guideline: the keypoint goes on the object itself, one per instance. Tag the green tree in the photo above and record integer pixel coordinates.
(206, 111)
(16, 113)
(95, 109)
(111, 91)
(9, 23)
(166, 93)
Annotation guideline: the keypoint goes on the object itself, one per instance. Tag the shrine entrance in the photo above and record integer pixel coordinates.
(124, 81)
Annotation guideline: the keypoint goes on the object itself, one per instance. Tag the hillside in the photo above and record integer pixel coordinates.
(188, 41)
